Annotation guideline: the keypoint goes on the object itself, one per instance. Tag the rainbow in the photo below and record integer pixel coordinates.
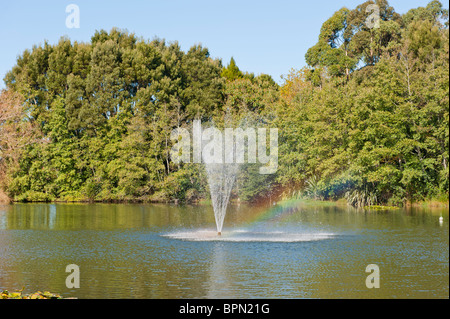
(280, 212)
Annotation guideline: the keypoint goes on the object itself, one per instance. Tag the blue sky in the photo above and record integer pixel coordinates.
(263, 36)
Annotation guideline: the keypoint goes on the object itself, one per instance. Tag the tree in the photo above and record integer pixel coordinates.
(383, 135)
(232, 72)
(366, 120)
(333, 49)
(368, 42)
(16, 133)
(89, 101)
(202, 93)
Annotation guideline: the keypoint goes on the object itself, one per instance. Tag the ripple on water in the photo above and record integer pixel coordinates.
(241, 235)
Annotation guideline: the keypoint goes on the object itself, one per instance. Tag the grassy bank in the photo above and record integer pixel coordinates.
(441, 202)
(432, 203)
(35, 197)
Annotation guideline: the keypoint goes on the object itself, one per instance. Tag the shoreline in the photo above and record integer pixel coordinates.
(432, 203)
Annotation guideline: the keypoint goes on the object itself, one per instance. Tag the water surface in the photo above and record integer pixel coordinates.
(165, 251)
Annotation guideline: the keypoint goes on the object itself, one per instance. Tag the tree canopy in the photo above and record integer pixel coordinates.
(367, 119)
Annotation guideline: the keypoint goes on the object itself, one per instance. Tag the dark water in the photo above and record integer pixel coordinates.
(295, 251)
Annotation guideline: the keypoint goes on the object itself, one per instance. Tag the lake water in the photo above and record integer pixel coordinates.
(162, 251)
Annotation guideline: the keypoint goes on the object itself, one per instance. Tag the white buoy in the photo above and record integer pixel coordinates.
(441, 220)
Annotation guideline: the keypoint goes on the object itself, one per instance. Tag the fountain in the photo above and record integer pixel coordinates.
(221, 178)
(222, 153)
(222, 172)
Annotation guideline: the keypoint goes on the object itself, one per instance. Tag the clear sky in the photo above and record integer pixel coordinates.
(263, 36)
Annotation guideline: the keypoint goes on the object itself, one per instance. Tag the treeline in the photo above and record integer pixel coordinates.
(366, 120)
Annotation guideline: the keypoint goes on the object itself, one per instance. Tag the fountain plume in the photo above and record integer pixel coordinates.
(221, 179)
(222, 170)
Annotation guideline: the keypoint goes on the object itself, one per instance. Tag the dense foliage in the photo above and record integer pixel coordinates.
(366, 120)
(379, 134)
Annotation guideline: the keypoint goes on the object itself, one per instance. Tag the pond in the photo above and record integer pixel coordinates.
(291, 250)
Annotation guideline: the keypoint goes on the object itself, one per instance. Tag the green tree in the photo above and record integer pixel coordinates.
(232, 72)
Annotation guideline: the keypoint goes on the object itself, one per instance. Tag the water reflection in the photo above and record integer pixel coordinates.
(219, 285)
(100, 216)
